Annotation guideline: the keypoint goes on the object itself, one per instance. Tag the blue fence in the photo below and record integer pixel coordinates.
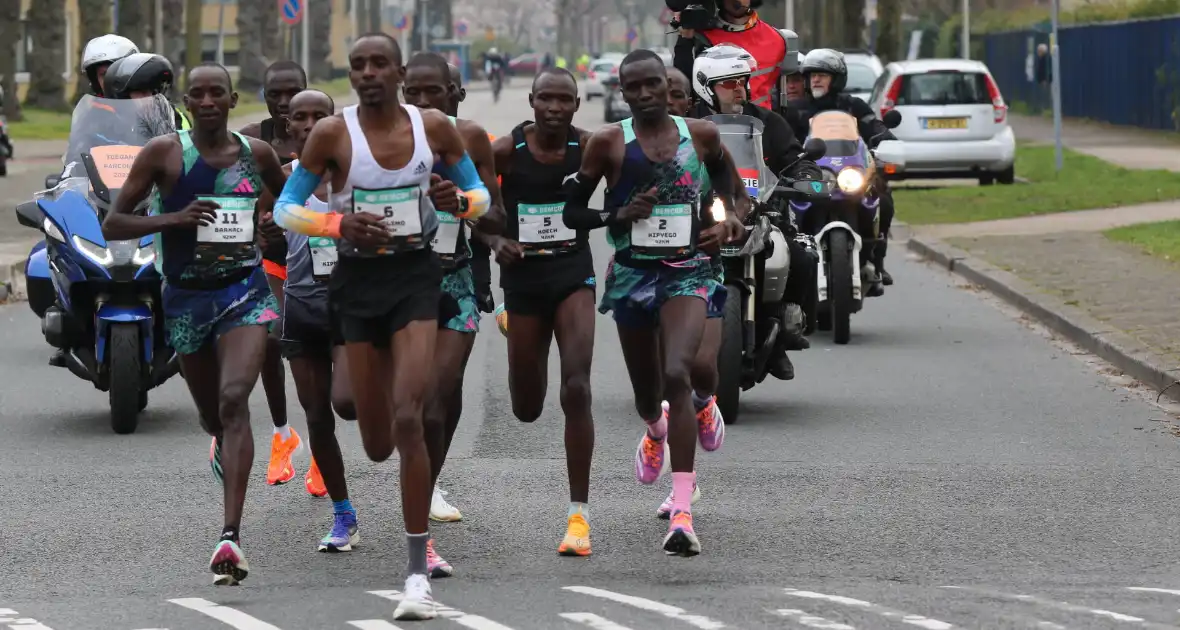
(1125, 73)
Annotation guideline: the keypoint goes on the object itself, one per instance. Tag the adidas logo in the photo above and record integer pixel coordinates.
(244, 187)
(420, 169)
(685, 179)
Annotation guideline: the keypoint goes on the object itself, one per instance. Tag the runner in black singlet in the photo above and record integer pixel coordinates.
(547, 273)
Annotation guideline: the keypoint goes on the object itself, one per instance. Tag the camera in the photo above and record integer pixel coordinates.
(697, 15)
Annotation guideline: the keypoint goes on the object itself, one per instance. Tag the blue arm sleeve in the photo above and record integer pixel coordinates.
(290, 213)
(466, 179)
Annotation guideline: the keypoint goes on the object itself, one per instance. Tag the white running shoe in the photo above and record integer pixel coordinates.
(442, 511)
(665, 510)
(417, 603)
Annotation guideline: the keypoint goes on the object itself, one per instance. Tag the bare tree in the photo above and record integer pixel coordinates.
(321, 41)
(889, 45)
(852, 24)
(251, 62)
(47, 25)
(95, 19)
(269, 29)
(192, 35)
(10, 38)
(133, 20)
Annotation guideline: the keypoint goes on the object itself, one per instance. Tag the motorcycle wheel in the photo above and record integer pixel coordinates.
(729, 357)
(125, 356)
(840, 285)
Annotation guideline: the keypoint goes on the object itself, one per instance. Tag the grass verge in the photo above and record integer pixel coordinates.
(1085, 183)
(1161, 240)
(47, 125)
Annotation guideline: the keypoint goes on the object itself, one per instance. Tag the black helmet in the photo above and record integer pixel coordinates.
(140, 72)
(827, 61)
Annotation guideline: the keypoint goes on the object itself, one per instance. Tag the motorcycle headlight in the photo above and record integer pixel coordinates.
(51, 231)
(717, 210)
(144, 256)
(850, 180)
(96, 253)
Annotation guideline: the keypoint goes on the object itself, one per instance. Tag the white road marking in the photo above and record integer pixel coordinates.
(229, 616)
(805, 618)
(1145, 589)
(373, 624)
(9, 617)
(7, 612)
(904, 617)
(671, 612)
(592, 620)
(475, 622)
(1049, 625)
(1066, 607)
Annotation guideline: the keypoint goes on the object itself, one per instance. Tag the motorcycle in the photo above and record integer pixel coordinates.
(99, 300)
(757, 267)
(5, 141)
(846, 225)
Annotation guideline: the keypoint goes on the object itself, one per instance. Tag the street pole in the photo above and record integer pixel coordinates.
(966, 36)
(790, 21)
(1056, 86)
(424, 23)
(305, 33)
(356, 20)
(221, 32)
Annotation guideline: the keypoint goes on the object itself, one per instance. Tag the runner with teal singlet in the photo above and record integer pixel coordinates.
(660, 278)
(216, 302)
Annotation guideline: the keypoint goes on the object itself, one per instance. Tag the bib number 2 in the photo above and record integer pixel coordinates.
(667, 233)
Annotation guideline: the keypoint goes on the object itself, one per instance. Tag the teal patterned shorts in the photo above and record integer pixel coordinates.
(719, 293)
(194, 317)
(636, 295)
(459, 308)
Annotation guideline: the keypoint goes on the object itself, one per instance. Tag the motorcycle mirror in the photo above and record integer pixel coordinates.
(891, 152)
(815, 148)
(28, 214)
(51, 181)
(892, 119)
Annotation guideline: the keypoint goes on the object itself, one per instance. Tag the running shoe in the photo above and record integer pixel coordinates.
(711, 426)
(442, 511)
(314, 481)
(343, 535)
(281, 470)
(681, 539)
(577, 537)
(417, 603)
(651, 456)
(215, 461)
(665, 509)
(438, 567)
(228, 564)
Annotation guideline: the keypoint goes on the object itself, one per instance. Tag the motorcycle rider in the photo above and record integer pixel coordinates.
(792, 81)
(100, 53)
(720, 79)
(825, 74)
(493, 63)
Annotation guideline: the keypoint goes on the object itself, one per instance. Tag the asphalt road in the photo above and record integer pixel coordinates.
(949, 468)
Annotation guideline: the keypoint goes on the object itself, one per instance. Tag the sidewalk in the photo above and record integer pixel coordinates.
(1129, 147)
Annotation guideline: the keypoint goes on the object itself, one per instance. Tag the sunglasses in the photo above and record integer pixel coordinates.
(731, 84)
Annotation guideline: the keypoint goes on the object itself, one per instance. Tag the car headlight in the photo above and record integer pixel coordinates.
(144, 255)
(51, 231)
(850, 180)
(96, 253)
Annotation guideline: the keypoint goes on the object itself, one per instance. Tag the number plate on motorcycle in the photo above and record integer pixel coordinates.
(944, 123)
(730, 250)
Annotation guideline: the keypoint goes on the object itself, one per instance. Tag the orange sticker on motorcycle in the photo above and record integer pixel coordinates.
(114, 163)
(834, 126)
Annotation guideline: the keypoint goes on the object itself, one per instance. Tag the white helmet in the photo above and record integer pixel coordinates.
(719, 63)
(493, 51)
(105, 49)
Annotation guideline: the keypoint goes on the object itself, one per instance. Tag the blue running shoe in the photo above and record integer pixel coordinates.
(343, 535)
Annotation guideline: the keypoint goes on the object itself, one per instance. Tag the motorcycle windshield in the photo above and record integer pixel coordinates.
(839, 131)
(107, 134)
(742, 137)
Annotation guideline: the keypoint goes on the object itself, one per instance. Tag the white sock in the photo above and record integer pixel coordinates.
(582, 508)
(284, 431)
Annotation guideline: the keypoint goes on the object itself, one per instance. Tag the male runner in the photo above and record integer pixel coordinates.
(428, 86)
(281, 82)
(312, 343)
(547, 273)
(481, 268)
(659, 280)
(385, 287)
(679, 93)
(216, 302)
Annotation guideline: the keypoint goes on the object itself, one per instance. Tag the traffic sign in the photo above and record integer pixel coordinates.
(632, 34)
(401, 23)
(291, 11)
(461, 28)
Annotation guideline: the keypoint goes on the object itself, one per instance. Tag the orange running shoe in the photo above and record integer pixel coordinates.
(281, 470)
(577, 537)
(314, 481)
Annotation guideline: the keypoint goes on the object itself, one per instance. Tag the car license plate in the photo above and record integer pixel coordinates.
(944, 123)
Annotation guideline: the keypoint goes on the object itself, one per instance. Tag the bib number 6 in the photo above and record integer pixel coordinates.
(388, 212)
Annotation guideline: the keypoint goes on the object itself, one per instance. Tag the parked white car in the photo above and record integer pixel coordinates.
(600, 69)
(954, 120)
(864, 68)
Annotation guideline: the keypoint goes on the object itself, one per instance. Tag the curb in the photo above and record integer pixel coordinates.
(1098, 338)
(12, 280)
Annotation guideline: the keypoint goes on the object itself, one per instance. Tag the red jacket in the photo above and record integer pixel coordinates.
(761, 40)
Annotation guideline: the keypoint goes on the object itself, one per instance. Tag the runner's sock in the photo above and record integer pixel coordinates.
(579, 508)
(341, 507)
(284, 431)
(682, 484)
(229, 532)
(699, 402)
(417, 548)
(658, 428)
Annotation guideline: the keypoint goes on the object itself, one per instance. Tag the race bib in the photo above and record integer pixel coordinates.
(400, 210)
(668, 229)
(446, 239)
(234, 223)
(323, 255)
(541, 225)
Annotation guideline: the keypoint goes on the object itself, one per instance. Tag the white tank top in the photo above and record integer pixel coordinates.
(399, 196)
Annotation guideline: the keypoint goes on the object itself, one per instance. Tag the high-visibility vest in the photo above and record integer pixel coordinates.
(768, 47)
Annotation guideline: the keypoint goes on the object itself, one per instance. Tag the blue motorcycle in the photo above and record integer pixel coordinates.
(845, 225)
(99, 300)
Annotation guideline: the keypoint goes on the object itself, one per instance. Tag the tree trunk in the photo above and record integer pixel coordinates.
(47, 25)
(95, 18)
(374, 10)
(853, 24)
(9, 39)
(889, 44)
(832, 23)
(270, 30)
(321, 41)
(192, 36)
(133, 21)
(251, 63)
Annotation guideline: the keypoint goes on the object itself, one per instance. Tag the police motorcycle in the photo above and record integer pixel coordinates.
(99, 300)
(757, 267)
(846, 225)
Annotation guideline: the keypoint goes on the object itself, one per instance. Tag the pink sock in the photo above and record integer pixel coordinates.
(659, 428)
(682, 484)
